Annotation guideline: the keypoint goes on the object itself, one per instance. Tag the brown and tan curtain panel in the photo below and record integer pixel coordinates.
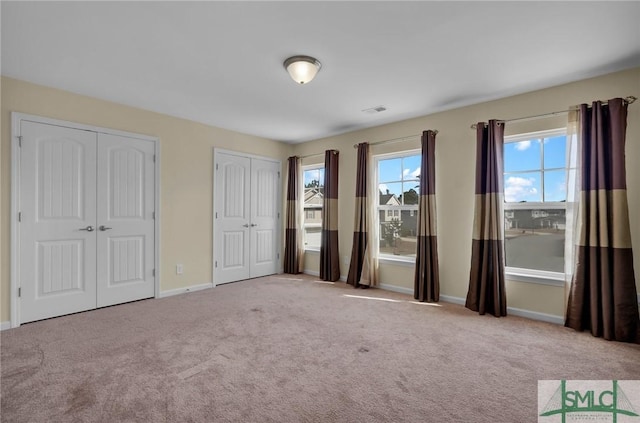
(363, 267)
(427, 283)
(329, 255)
(293, 248)
(603, 295)
(487, 280)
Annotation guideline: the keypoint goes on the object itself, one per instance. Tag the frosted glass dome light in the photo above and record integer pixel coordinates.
(302, 69)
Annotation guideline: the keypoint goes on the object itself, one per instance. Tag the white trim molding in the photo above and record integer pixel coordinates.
(5, 325)
(178, 291)
(394, 288)
(533, 315)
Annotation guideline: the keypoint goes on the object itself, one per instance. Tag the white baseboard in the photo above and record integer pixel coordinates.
(5, 325)
(177, 291)
(399, 289)
(453, 300)
(533, 315)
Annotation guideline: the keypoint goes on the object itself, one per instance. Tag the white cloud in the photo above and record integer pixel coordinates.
(408, 174)
(523, 145)
(383, 188)
(518, 189)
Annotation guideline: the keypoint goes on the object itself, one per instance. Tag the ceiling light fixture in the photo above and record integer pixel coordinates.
(302, 69)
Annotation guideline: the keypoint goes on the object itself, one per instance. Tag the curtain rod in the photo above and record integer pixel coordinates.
(630, 99)
(394, 140)
(311, 155)
(316, 154)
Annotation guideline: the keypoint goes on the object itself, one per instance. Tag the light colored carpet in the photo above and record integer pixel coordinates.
(288, 349)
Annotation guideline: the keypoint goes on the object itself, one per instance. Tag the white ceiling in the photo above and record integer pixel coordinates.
(220, 63)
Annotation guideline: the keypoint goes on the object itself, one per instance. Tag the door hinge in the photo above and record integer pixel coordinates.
(216, 215)
(153, 272)
(216, 166)
(154, 158)
(153, 215)
(20, 141)
(216, 263)
(278, 215)
(19, 216)
(278, 174)
(19, 292)
(278, 255)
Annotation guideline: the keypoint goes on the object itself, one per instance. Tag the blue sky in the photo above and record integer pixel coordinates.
(392, 173)
(310, 175)
(522, 163)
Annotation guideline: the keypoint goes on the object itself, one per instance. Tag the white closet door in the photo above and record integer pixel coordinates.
(57, 270)
(125, 219)
(265, 185)
(232, 218)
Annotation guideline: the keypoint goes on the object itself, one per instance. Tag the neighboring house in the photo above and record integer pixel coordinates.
(390, 220)
(535, 219)
(389, 199)
(313, 198)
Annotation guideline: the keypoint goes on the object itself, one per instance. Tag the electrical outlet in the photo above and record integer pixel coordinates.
(345, 260)
(179, 269)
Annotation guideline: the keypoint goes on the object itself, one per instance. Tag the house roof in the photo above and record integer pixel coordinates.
(389, 200)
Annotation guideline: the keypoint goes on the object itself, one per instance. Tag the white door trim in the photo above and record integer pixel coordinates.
(279, 227)
(16, 119)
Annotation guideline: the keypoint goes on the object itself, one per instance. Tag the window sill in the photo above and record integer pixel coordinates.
(537, 277)
(397, 261)
(315, 250)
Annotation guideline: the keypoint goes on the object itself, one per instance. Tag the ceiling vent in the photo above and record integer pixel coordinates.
(374, 110)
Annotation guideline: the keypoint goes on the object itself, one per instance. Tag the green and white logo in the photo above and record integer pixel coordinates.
(588, 401)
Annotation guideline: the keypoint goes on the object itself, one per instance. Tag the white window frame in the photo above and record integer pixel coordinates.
(542, 277)
(319, 166)
(390, 258)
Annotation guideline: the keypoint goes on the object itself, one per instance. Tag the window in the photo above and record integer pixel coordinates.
(398, 194)
(313, 197)
(535, 193)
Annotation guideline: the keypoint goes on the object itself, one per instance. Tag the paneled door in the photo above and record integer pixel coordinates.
(246, 217)
(125, 219)
(87, 235)
(57, 221)
(232, 220)
(265, 186)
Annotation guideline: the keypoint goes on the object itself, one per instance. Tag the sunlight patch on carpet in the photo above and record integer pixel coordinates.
(427, 304)
(372, 298)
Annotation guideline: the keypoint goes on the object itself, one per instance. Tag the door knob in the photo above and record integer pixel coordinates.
(104, 228)
(246, 225)
(254, 224)
(88, 229)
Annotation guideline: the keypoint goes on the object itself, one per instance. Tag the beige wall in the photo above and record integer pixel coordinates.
(455, 167)
(186, 176)
(186, 173)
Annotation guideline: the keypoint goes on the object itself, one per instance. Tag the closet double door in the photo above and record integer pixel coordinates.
(87, 232)
(246, 217)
